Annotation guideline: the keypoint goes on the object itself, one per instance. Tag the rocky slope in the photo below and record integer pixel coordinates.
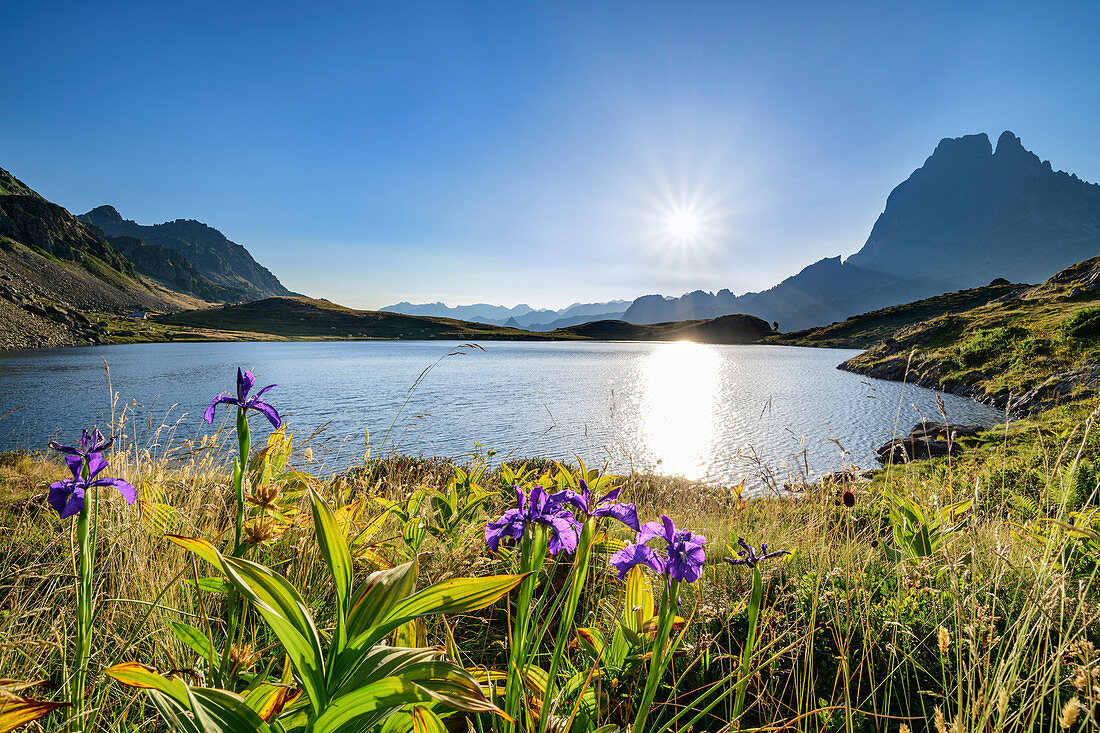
(225, 263)
(54, 271)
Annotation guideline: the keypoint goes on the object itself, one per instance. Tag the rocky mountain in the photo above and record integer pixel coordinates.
(54, 272)
(224, 263)
(969, 215)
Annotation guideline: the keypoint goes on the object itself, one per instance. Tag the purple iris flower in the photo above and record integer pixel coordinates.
(67, 497)
(748, 556)
(682, 560)
(90, 445)
(538, 508)
(604, 507)
(245, 380)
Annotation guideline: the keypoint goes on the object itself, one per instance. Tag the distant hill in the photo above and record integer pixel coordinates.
(55, 272)
(226, 264)
(298, 317)
(969, 215)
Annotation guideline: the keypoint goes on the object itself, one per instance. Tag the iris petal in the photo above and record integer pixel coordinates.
(129, 493)
(245, 380)
(266, 410)
(219, 400)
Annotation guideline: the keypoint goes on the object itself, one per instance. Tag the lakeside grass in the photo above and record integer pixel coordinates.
(994, 628)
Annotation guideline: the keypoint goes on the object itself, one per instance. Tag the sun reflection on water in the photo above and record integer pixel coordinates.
(680, 384)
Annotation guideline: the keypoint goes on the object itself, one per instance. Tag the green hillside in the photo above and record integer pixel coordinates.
(868, 329)
(1028, 352)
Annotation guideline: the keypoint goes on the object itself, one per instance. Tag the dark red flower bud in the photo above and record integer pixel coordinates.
(849, 499)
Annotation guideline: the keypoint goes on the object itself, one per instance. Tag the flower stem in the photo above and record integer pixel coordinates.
(532, 557)
(750, 642)
(565, 628)
(233, 603)
(657, 660)
(84, 587)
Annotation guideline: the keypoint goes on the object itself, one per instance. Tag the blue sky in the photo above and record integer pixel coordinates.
(529, 152)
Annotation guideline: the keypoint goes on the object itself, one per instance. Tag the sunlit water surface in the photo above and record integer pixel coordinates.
(717, 413)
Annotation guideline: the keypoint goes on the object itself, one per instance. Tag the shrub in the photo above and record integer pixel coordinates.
(986, 343)
(1084, 324)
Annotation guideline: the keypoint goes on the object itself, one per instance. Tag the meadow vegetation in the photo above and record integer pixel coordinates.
(274, 594)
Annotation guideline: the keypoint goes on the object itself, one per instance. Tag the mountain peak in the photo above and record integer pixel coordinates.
(1007, 143)
(106, 212)
(966, 149)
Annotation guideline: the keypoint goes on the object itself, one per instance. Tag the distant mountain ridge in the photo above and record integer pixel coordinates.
(520, 316)
(226, 264)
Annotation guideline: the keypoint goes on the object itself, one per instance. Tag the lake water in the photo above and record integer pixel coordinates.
(718, 413)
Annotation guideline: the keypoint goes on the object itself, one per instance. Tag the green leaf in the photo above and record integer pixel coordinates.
(135, 674)
(281, 606)
(425, 721)
(195, 639)
(365, 706)
(458, 595)
(381, 591)
(221, 710)
(209, 585)
(334, 548)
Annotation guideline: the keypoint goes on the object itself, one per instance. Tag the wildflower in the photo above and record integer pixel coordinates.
(682, 560)
(245, 380)
(903, 728)
(848, 498)
(67, 497)
(536, 508)
(603, 507)
(748, 556)
(90, 445)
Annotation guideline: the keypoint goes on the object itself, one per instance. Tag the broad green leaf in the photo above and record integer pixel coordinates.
(413, 634)
(221, 710)
(16, 712)
(638, 609)
(202, 548)
(365, 706)
(355, 668)
(381, 591)
(286, 612)
(334, 548)
(458, 595)
(281, 606)
(209, 585)
(195, 639)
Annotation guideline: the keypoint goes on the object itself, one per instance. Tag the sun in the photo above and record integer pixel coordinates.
(683, 224)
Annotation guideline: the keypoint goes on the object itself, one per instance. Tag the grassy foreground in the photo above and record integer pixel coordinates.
(958, 594)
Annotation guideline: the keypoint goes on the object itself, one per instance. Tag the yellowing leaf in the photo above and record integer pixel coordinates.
(16, 712)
